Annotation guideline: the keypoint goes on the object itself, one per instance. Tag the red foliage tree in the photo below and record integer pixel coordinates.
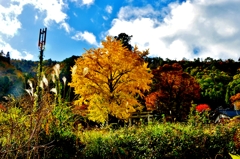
(172, 91)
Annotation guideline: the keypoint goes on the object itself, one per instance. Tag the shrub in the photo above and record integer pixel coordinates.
(161, 141)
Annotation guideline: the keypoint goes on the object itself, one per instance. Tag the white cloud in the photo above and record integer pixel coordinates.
(129, 13)
(87, 2)
(85, 36)
(15, 54)
(66, 27)
(53, 9)
(83, 2)
(26, 55)
(8, 18)
(210, 26)
(108, 9)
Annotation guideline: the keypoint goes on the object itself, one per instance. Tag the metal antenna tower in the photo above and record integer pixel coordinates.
(41, 45)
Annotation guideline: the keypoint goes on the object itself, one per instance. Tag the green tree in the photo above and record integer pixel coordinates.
(213, 83)
(125, 39)
(8, 57)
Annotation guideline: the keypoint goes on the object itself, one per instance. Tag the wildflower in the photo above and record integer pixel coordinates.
(53, 77)
(56, 69)
(29, 92)
(54, 90)
(30, 83)
(64, 80)
(45, 81)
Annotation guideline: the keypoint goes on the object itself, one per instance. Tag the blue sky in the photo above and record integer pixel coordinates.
(173, 29)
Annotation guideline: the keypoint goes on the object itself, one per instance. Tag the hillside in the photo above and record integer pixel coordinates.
(14, 74)
(11, 80)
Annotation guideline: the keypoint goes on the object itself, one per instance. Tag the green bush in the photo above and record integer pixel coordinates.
(160, 141)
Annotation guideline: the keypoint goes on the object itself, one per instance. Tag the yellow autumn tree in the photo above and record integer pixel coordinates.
(108, 80)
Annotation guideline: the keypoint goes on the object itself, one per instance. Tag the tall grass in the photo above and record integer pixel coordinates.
(34, 125)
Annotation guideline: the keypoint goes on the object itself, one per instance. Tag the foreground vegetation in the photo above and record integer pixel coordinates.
(54, 134)
(161, 141)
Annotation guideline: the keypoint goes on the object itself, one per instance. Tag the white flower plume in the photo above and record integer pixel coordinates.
(56, 69)
(64, 80)
(54, 90)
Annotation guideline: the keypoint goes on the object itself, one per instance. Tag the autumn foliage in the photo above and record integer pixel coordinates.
(172, 91)
(108, 79)
(235, 97)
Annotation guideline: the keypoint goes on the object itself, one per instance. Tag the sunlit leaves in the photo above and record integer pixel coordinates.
(213, 83)
(109, 78)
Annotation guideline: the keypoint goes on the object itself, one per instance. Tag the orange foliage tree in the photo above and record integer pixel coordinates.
(172, 91)
(108, 79)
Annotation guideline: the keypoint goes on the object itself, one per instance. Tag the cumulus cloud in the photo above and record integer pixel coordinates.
(210, 27)
(85, 36)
